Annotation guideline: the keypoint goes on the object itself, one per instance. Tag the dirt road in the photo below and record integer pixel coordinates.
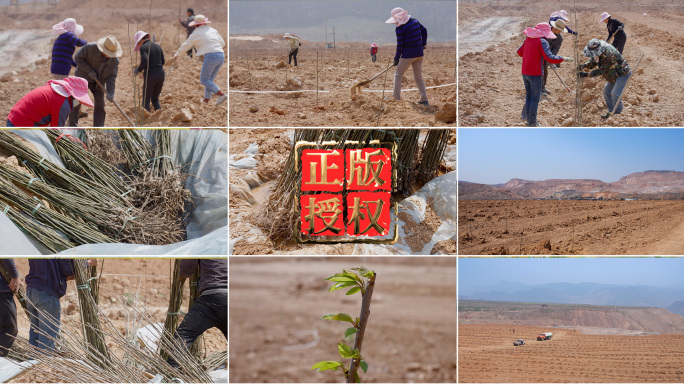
(672, 244)
(275, 334)
(487, 354)
(479, 35)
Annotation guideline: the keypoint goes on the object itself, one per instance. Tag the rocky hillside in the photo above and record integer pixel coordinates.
(648, 182)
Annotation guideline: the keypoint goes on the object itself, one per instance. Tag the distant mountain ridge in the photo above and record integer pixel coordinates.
(581, 293)
(647, 182)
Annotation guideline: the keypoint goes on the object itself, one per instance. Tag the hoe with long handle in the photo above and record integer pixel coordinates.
(611, 113)
(559, 78)
(115, 103)
(361, 84)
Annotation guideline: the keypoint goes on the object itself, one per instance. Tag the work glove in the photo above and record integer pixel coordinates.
(553, 66)
(620, 28)
(583, 74)
(110, 96)
(93, 75)
(135, 71)
(568, 59)
(395, 63)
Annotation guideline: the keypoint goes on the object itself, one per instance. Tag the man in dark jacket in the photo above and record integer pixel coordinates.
(8, 310)
(557, 27)
(211, 308)
(45, 284)
(98, 62)
(188, 28)
(615, 28)
(152, 67)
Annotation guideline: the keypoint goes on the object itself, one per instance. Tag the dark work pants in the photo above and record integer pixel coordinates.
(8, 322)
(293, 54)
(152, 85)
(99, 109)
(208, 311)
(619, 41)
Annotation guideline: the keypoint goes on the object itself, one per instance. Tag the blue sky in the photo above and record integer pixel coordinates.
(659, 272)
(492, 156)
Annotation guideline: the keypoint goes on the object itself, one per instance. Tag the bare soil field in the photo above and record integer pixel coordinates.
(491, 91)
(275, 334)
(261, 65)
(595, 319)
(486, 354)
(149, 279)
(24, 71)
(505, 227)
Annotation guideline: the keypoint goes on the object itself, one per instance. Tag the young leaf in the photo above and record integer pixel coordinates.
(364, 366)
(353, 290)
(369, 274)
(337, 316)
(341, 285)
(325, 365)
(345, 351)
(350, 331)
(352, 275)
(340, 278)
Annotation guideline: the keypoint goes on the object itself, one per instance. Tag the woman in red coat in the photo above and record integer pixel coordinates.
(534, 51)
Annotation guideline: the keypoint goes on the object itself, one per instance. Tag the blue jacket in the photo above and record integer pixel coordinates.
(12, 270)
(411, 37)
(49, 275)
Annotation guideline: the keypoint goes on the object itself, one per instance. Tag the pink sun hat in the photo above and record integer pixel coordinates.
(604, 16)
(540, 30)
(563, 15)
(77, 87)
(399, 17)
(68, 25)
(137, 37)
(199, 20)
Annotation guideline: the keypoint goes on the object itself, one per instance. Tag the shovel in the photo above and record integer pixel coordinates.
(361, 84)
(611, 113)
(115, 103)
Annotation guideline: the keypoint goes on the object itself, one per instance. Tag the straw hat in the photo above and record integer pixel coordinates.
(399, 17)
(558, 24)
(137, 37)
(604, 16)
(77, 87)
(68, 25)
(110, 46)
(199, 20)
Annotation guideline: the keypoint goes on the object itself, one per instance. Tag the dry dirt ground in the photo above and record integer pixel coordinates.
(491, 92)
(256, 66)
(275, 334)
(595, 319)
(486, 354)
(250, 189)
(148, 278)
(22, 72)
(547, 227)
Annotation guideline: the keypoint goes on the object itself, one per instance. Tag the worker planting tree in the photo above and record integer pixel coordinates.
(44, 44)
(408, 80)
(487, 34)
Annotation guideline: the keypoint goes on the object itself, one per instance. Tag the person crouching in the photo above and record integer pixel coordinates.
(534, 51)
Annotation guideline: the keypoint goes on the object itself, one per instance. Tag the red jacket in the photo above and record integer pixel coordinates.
(534, 51)
(41, 107)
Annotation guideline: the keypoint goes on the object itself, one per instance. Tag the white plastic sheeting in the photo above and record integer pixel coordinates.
(205, 152)
(10, 368)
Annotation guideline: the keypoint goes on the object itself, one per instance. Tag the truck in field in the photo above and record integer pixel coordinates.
(519, 342)
(544, 336)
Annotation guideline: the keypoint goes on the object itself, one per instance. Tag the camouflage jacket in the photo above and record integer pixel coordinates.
(611, 65)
